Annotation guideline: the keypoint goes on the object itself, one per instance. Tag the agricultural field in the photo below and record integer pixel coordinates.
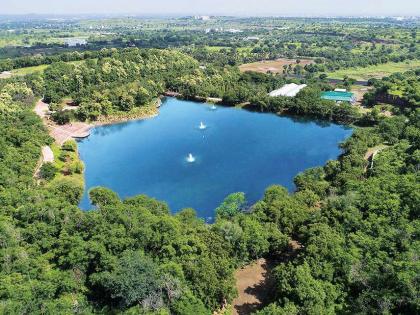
(377, 72)
(275, 66)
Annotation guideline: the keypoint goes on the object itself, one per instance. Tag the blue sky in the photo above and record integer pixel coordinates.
(217, 7)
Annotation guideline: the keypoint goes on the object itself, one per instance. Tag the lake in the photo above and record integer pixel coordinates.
(238, 151)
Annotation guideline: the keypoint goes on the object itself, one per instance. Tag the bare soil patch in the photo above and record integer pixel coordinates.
(359, 92)
(372, 151)
(275, 66)
(254, 286)
(255, 282)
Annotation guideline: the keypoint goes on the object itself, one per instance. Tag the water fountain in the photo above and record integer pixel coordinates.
(202, 126)
(190, 158)
(213, 107)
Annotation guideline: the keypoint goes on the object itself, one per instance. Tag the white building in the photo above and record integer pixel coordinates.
(252, 38)
(202, 17)
(234, 30)
(288, 90)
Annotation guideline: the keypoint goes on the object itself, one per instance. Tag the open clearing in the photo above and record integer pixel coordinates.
(376, 72)
(255, 282)
(40, 68)
(275, 66)
(253, 287)
(29, 70)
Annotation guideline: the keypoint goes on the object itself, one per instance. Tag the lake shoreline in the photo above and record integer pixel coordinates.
(80, 130)
(167, 140)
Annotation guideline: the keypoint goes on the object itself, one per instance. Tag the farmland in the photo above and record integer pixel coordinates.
(274, 66)
(377, 72)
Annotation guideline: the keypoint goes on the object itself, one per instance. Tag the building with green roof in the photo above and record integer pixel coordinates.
(339, 96)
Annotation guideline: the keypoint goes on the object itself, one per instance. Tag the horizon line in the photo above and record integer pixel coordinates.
(379, 16)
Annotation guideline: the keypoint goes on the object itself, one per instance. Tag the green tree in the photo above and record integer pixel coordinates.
(100, 196)
(134, 280)
(48, 171)
(231, 206)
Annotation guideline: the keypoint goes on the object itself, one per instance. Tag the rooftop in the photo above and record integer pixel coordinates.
(338, 96)
(288, 90)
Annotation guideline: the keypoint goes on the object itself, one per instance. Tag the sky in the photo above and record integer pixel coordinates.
(216, 7)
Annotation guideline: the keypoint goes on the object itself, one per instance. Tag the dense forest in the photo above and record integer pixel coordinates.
(356, 220)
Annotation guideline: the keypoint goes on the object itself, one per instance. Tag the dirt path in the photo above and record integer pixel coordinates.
(370, 155)
(254, 286)
(373, 151)
(47, 156)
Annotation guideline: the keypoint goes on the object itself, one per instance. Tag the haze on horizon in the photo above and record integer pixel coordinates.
(215, 7)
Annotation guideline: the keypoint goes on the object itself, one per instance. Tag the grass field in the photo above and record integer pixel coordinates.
(378, 71)
(28, 70)
(40, 68)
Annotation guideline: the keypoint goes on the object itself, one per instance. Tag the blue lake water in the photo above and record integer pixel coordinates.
(239, 151)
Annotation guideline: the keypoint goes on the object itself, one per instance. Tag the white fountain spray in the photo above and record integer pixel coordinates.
(202, 126)
(190, 158)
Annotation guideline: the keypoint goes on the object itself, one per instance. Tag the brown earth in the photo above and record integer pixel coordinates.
(275, 66)
(253, 285)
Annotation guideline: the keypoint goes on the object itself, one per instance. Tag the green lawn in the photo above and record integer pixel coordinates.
(40, 68)
(28, 70)
(378, 71)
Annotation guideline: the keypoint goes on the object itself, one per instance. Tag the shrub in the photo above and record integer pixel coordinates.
(69, 188)
(77, 167)
(69, 145)
(62, 117)
(48, 171)
(64, 156)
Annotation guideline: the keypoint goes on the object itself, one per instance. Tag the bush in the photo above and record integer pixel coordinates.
(48, 171)
(62, 117)
(100, 196)
(69, 188)
(77, 167)
(69, 145)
